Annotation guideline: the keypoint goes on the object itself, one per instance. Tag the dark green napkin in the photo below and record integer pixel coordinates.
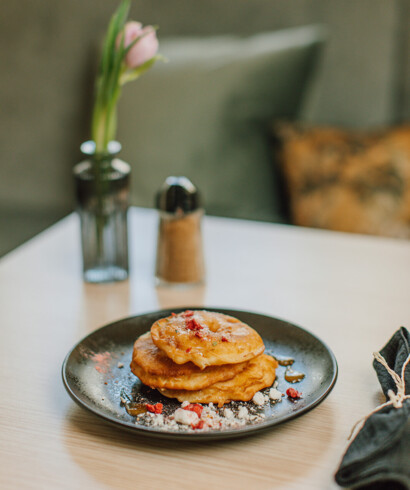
(379, 456)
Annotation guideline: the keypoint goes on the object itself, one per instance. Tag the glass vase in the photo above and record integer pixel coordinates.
(102, 189)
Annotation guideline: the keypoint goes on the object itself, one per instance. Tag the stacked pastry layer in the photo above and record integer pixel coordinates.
(202, 357)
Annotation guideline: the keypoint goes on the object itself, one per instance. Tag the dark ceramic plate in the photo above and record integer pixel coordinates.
(94, 377)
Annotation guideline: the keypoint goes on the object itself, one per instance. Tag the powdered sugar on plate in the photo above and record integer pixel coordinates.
(194, 417)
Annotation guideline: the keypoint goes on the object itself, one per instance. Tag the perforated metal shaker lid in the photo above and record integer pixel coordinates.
(178, 194)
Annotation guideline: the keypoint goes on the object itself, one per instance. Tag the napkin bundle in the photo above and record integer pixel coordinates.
(379, 456)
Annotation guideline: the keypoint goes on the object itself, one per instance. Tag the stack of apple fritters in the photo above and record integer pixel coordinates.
(203, 357)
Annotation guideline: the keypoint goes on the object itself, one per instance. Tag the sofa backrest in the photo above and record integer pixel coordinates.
(48, 52)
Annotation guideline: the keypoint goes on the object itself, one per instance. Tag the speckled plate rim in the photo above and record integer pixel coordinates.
(211, 435)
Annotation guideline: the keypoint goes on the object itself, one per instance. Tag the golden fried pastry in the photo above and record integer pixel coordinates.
(206, 338)
(155, 369)
(259, 374)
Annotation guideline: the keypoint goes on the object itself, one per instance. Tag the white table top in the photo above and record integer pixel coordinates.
(352, 291)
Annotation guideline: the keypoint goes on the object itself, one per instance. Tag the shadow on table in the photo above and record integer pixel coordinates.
(103, 304)
(180, 296)
(108, 442)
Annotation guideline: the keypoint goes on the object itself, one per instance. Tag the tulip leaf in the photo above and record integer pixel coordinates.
(116, 24)
(135, 73)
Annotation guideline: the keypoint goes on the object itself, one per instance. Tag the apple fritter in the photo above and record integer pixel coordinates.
(156, 370)
(259, 374)
(206, 338)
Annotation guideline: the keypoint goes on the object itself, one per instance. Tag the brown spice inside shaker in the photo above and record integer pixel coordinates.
(179, 252)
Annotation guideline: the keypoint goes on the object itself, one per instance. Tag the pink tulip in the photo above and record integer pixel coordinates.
(144, 49)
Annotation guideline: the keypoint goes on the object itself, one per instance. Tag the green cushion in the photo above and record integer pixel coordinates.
(205, 115)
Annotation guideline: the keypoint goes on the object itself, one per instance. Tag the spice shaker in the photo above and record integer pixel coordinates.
(179, 248)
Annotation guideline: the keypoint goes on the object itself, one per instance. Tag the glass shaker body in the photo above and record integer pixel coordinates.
(180, 259)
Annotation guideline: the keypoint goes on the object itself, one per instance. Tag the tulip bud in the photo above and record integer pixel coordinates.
(144, 49)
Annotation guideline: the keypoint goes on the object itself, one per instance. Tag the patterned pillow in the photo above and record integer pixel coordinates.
(347, 180)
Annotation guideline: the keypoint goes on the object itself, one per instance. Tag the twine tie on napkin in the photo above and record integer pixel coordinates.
(395, 399)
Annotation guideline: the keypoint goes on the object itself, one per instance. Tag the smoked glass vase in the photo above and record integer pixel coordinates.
(102, 184)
